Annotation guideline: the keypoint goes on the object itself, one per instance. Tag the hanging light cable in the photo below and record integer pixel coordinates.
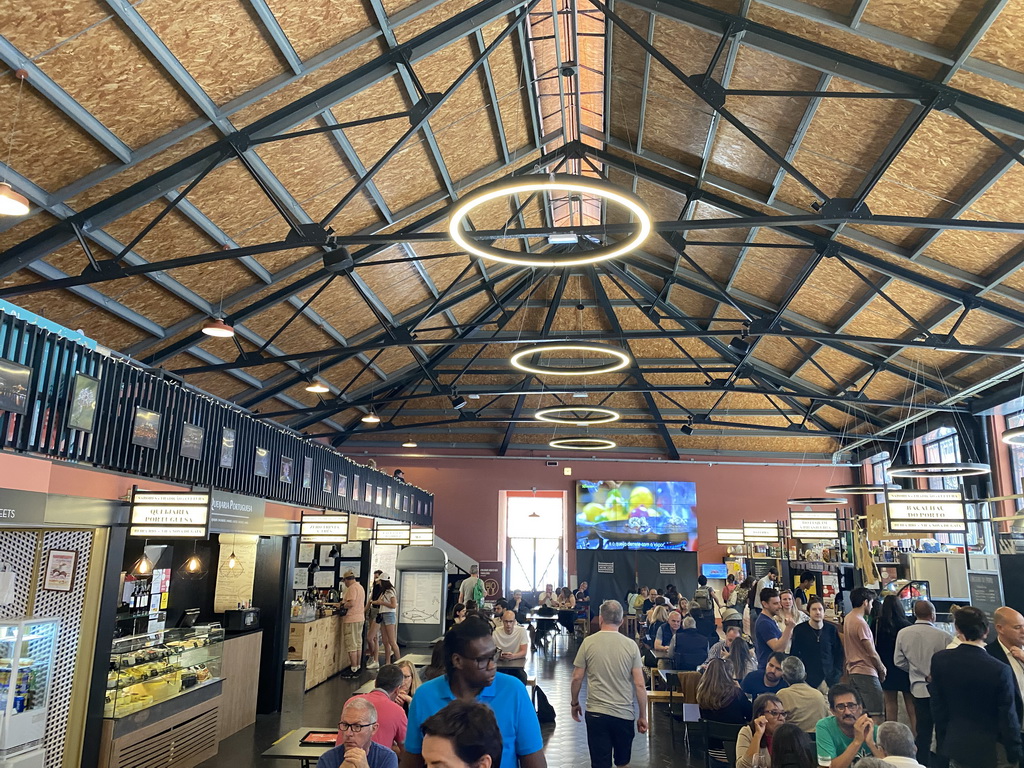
(12, 203)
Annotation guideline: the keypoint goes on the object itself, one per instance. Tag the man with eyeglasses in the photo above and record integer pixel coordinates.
(470, 659)
(512, 640)
(849, 733)
(356, 727)
(611, 664)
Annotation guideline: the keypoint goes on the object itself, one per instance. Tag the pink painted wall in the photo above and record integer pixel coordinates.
(466, 493)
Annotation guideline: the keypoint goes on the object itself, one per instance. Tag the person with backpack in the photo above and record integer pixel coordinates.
(472, 587)
(704, 596)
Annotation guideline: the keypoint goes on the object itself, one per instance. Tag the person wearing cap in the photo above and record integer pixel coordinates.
(352, 621)
(387, 606)
(468, 585)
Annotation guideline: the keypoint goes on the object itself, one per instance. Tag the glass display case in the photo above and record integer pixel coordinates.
(156, 666)
(27, 650)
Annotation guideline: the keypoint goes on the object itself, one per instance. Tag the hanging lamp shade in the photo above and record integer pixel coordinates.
(12, 203)
(218, 328)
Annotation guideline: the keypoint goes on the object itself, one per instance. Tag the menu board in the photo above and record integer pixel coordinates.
(420, 601)
(986, 594)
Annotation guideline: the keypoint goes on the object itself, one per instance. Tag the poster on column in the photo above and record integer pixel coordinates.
(492, 572)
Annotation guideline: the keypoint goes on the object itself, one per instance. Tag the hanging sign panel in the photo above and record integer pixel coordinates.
(925, 511)
(392, 533)
(760, 533)
(811, 526)
(728, 537)
(327, 529)
(170, 515)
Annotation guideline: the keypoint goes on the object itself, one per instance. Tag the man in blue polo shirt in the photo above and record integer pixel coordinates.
(470, 659)
(768, 638)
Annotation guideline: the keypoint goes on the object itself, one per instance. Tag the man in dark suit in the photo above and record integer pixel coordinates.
(973, 700)
(1008, 647)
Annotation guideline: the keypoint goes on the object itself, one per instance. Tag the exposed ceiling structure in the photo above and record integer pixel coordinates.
(837, 190)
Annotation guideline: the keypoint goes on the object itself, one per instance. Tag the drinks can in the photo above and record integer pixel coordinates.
(19, 703)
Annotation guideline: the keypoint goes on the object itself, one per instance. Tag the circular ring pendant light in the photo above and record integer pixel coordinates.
(813, 501)
(620, 361)
(1013, 436)
(957, 469)
(583, 443)
(572, 415)
(862, 490)
(556, 184)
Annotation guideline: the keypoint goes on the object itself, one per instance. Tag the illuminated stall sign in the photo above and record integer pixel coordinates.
(326, 528)
(810, 526)
(760, 533)
(392, 533)
(422, 536)
(170, 515)
(729, 537)
(925, 511)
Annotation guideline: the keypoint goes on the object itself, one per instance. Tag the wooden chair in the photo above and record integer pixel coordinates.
(727, 733)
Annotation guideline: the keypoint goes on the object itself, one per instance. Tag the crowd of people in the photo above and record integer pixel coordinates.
(795, 691)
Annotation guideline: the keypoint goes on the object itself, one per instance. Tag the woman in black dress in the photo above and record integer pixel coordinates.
(891, 620)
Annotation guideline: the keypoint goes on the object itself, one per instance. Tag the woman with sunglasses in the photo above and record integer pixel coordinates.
(754, 741)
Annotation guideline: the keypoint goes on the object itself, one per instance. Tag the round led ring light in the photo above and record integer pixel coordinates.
(601, 415)
(862, 490)
(1013, 436)
(602, 349)
(531, 184)
(960, 469)
(583, 443)
(814, 501)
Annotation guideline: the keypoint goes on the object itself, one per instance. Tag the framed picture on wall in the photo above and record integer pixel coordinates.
(261, 466)
(328, 481)
(286, 470)
(60, 570)
(14, 383)
(192, 441)
(368, 493)
(84, 396)
(227, 448)
(387, 498)
(380, 495)
(355, 487)
(342, 485)
(146, 428)
(307, 472)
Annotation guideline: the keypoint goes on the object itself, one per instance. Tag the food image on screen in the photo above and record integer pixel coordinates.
(621, 514)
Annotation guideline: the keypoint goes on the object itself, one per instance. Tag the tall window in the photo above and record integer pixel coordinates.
(1014, 420)
(942, 447)
(878, 473)
(534, 526)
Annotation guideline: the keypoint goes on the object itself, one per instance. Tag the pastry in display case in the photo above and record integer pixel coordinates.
(153, 667)
(27, 650)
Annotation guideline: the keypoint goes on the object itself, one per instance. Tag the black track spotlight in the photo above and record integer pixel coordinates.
(458, 402)
(686, 429)
(739, 345)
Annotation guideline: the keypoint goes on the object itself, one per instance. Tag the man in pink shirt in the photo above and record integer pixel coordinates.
(352, 622)
(391, 718)
(863, 664)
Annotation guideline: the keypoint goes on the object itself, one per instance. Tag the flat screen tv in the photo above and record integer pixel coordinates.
(624, 514)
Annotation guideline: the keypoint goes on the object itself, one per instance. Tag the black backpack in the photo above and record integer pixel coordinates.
(545, 712)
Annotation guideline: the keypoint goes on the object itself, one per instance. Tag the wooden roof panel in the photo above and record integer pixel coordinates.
(942, 23)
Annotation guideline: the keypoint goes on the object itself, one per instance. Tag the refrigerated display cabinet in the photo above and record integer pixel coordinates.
(27, 651)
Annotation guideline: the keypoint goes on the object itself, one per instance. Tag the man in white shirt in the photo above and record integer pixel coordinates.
(897, 743)
(511, 639)
(915, 646)
(1009, 649)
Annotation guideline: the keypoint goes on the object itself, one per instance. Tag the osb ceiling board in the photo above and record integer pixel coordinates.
(398, 286)
(510, 87)
(690, 303)
(431, 18)
(939, 22)
(1001, 43)
(780, 352)
(830, 292)
(849, 42)
(466, 118)
(760, 443)
(988, 89)
(314, 27)
(214, 382)
(973, 251)
(223, 48)
(105, 60)
(341, 306)
(49, 149)
(24, 228)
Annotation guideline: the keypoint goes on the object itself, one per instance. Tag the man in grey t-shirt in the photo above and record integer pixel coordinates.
(611, 664)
